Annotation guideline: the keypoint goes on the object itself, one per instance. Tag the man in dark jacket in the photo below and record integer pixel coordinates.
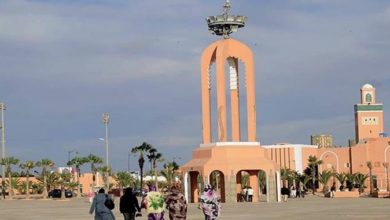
(128, 205)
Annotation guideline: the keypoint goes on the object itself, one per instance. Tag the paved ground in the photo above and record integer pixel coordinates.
(311, 207)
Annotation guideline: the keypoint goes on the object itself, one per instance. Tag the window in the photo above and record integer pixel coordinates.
(368, 97)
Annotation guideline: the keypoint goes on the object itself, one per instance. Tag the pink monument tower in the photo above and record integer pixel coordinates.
(223, 162)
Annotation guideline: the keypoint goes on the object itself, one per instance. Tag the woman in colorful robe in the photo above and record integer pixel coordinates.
(176, 204)
(210, 203)
(153, 202)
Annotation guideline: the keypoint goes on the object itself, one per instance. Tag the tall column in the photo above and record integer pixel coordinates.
(254, 183)
(251, 97)
(221, 95)
(234, 99)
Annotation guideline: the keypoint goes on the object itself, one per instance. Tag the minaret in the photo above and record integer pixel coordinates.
(221, 52)
(368, 115)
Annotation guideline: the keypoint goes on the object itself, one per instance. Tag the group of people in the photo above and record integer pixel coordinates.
(155, 204)
(247, 194)
(293, 192)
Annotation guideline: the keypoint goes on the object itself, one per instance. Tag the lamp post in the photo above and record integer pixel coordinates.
(2, 108)
(71, 151)
(106, 120)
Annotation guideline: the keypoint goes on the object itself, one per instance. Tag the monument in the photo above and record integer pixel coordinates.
(222, 161)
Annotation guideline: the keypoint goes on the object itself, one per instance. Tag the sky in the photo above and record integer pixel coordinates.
(63, 63)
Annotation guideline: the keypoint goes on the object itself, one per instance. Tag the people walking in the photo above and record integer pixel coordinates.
(176, 204)
(128, 204)
(285, 192)
(332, 190)
(250, 194)
(293, 191)
(153, 202)
(100, 209)
(210, 203)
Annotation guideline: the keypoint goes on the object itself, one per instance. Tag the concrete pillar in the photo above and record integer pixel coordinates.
(221, 95)
(234, 99)
(254, 184)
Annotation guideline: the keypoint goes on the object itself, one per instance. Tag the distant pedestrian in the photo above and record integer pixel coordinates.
(176, 204)
(100, 209)
(153, 202)
(285, 192)
(91, 194)
(302, 191)
(128, 204)
(250, 194)
(293, 191)
(332, 190)
(210, 203)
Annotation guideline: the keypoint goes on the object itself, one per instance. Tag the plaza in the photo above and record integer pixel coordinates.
(310, 207)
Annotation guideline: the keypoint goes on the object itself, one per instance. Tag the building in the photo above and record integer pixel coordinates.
(322, 140)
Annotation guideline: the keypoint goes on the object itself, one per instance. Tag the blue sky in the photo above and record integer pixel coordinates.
(64, 63)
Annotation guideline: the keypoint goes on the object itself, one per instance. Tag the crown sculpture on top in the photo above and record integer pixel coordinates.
(225, 24)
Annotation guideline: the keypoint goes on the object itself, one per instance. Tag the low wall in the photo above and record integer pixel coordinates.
(381, 194)
(346, 194)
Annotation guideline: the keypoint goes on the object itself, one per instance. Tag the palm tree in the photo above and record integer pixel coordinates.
(324, 178)
(262, 176)
(105, 171)
(286, 175)
(360, 179)
(77, 162)
(313, 163)
(351, 179)
(369, 165)
(27, 167)
(153, 156)
(46, 164)
(8, 162)
(341, 177)
(15, 182)
(63, 180)
(123, 179)
(93, 160)
(52, 180)
(244, 179)
(169, 171)
(141, 149)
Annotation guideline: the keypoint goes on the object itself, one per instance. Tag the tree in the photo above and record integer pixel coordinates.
(153, 155)
(46, 164)
(8, 162)
(169, 171)
(123, 179)
(360, 179)
(286, 175)
(341, 177)
(262, 180)
(141, 149)
(350, 179)
(369, 165)
(105, 171)
(93, 160)
(29, 165)
(63, 180)
(77, 162)
(313, 163)
(324, 178)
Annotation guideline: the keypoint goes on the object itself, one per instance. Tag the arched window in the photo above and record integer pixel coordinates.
(368, 97)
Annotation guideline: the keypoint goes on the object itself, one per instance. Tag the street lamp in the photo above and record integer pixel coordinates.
(106, 120)
(71, 151)
(2, 108)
